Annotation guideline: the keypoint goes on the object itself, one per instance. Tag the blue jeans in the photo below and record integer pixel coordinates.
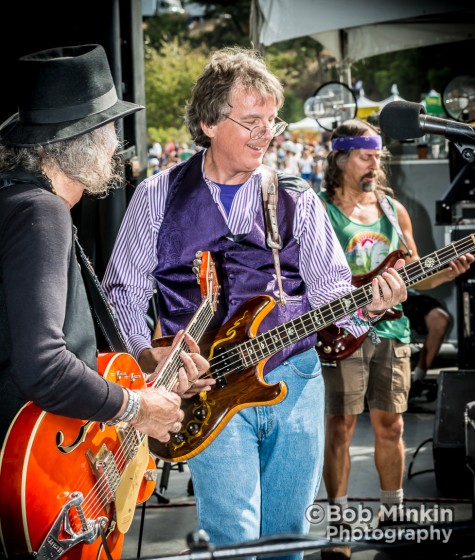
(261, 473)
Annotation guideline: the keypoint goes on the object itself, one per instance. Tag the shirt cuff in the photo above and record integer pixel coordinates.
(137, 345)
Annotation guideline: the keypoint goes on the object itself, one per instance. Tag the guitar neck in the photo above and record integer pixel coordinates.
(196, 328)
(269, 343)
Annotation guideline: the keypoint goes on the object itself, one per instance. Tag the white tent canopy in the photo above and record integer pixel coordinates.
(365, 103)
(353, 30)
(306, 124)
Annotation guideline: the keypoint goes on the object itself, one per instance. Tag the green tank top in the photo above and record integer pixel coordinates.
(366, 246)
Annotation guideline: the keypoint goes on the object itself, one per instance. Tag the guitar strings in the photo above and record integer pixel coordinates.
(169, 374)
(104, 489)
(107, 483)
(414, 272)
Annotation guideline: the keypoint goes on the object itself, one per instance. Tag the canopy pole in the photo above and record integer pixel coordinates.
(344, 69)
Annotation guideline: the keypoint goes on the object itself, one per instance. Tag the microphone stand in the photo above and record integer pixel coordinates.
(467, 151)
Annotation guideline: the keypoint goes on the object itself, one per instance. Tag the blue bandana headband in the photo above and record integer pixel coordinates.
(357, 143)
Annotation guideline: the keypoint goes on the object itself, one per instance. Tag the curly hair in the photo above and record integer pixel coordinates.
(336, 160)
(227, 69)
(86, 159)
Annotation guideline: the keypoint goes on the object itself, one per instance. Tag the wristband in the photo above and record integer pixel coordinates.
(131, 411)
(365, 315)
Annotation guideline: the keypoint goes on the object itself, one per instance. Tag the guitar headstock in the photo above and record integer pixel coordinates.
(206, 276)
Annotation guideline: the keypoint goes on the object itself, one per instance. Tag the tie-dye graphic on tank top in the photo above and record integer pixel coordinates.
(366, 250)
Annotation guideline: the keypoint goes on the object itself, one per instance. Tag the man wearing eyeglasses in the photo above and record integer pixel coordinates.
(261, 473)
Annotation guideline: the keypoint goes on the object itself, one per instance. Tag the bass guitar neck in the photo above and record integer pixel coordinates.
(237, 355)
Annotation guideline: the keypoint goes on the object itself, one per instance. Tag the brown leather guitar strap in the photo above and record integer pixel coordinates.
(270, 189)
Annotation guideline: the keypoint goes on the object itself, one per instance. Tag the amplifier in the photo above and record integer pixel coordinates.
(452, 475)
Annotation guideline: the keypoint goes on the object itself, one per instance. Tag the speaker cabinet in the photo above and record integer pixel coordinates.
(452, 475)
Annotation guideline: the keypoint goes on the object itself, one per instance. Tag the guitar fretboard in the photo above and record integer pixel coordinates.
(266, 344)
(196, 328)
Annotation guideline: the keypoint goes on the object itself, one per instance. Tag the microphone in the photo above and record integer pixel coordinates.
(403, 120)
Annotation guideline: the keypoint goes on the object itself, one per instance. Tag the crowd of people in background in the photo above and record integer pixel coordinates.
(162, 157)
(297, 157)
(300, 158)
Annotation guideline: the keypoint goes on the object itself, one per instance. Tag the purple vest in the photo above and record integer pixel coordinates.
(245, 265)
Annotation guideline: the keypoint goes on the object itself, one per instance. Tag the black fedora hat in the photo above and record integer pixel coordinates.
(63, 93)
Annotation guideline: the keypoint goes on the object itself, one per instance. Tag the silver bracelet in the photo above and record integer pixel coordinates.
(131, 411)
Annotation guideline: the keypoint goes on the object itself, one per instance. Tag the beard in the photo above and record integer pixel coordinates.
(107, 175)
(368, 183)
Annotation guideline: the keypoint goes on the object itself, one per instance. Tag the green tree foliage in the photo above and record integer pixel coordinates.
(176, 53)
(415, 71)
(230, 23)
(169, 77)
(161, 29)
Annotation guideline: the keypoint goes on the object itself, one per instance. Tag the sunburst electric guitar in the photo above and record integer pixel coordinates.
(237, 355)
(68, 488)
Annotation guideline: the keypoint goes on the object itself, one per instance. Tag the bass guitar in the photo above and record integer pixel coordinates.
(68, 488)
(335, 343)
(237, 355)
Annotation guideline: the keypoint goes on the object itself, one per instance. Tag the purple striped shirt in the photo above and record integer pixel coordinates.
(128, 280)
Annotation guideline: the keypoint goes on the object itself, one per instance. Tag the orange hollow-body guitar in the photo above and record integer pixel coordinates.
(64, 482)
(237, 354)
(68, 488)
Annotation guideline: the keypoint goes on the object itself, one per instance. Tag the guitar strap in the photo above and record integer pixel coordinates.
(98, 303)
(388, 210)
(269, 189)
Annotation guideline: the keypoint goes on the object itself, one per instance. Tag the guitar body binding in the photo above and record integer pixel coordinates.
(58, 497)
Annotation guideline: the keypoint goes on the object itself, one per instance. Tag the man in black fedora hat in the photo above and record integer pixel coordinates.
(61, 143)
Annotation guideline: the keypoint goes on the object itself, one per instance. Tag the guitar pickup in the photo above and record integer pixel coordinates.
(228, 361)
(132, 437)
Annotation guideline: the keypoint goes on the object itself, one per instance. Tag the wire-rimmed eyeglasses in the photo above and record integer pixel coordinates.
(257, 132)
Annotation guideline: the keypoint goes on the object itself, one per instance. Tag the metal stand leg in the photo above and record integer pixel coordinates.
(142, 521)
(159, 494)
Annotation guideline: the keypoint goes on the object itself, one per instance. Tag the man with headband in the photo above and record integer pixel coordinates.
(367, 219)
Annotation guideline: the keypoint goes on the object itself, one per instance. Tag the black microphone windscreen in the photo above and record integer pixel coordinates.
(400, 120)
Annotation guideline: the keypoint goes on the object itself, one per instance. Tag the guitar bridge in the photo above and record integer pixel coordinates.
(107, 473)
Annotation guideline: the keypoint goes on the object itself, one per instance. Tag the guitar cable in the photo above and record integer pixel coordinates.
(105, 545)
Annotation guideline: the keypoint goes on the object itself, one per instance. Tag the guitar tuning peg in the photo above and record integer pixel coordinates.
(196, 270)
(198, 253)
(197, 262)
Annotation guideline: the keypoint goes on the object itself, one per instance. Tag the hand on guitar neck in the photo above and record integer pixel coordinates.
(190, 380)
(336, 344)
(389, 289)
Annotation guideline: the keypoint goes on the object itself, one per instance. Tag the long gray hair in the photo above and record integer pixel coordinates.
(90, 159)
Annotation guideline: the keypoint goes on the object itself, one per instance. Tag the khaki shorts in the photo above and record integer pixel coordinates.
(381, 373)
